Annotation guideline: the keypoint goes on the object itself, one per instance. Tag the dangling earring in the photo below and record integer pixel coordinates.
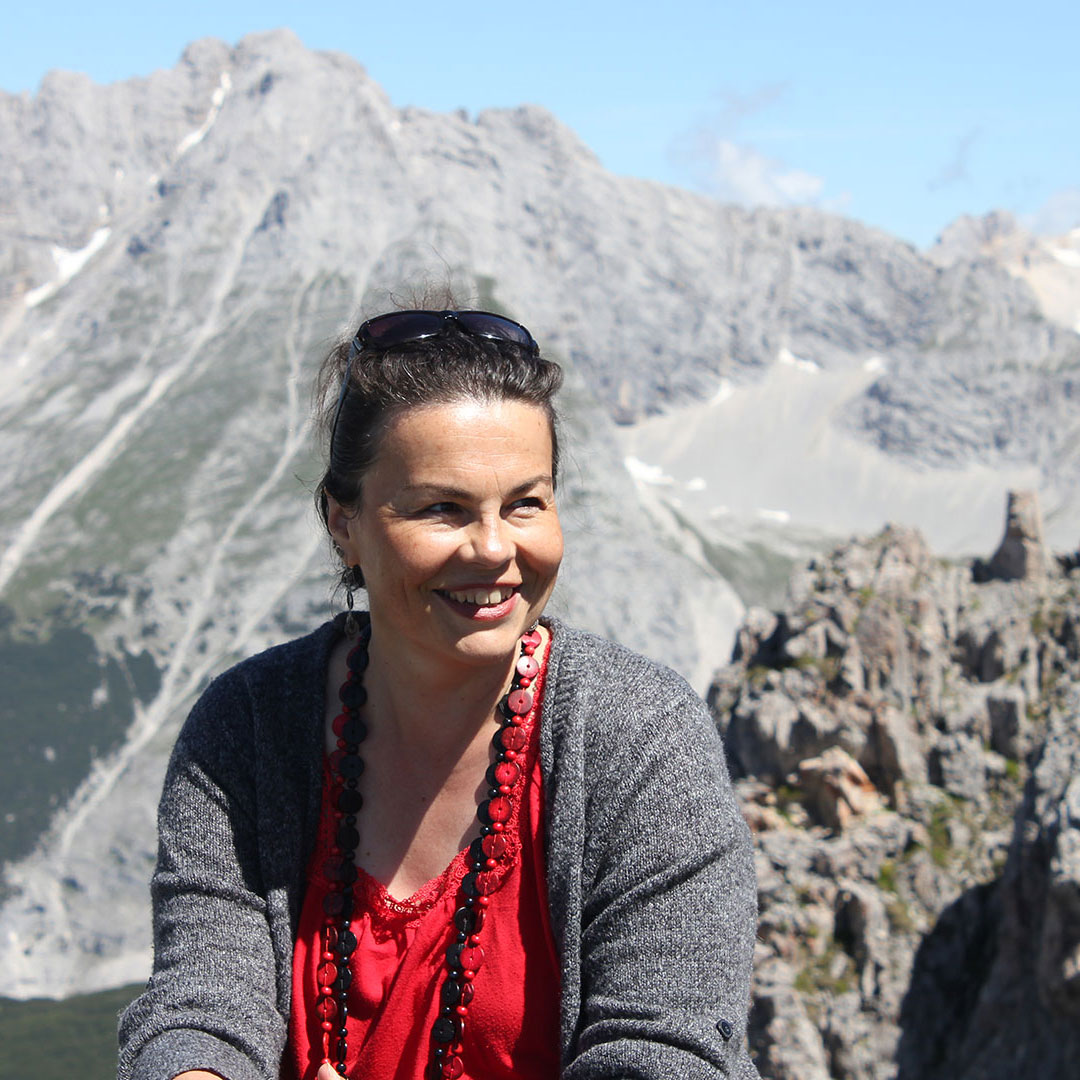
(353, 578)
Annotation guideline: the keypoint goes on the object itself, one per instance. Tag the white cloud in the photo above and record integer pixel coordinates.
(1059, 214)
(735, 171)
(743, 174)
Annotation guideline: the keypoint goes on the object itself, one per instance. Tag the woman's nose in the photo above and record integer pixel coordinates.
(490, 542)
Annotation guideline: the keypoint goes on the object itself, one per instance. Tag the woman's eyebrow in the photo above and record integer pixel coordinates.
(450, 492)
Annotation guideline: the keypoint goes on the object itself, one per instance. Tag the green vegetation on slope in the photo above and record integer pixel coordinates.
(55, 1040)
(63, 705)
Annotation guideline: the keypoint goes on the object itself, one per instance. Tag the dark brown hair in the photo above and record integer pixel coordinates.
(452, 366)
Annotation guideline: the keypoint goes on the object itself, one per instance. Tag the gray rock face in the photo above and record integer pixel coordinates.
(919, 914)
(1022, 554)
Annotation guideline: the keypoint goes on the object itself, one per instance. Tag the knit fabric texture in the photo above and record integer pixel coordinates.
(649, 868)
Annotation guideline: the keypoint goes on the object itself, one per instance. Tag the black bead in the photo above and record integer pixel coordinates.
(465, 920)
(476, 851)
(353, 695)
(451, 993)
(468, 885)
(354, 730)
(348, 838)
(482, 812)
(725, 1028)
(444, 1030)
(351, 766)
(349, 801)
(453, 955)
(346, 943)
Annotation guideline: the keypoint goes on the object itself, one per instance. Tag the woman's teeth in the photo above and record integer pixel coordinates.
(481, 597)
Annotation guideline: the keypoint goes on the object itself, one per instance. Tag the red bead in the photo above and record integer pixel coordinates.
(468, 976)
(519, 701)
(461, 1010)
(474, 939)
(339, 724)
(327, 974)
(504, 789)
(483, 901)
(499, 809)
(497, 826)
(525, 683)
(506, 772)
(531, 637)
(491, 863)
(452, 1068)
(512, 738)
(486, 882)
(511, 755)
(327, 1026)
(494, 846)
(327, 1008)
(527, 667)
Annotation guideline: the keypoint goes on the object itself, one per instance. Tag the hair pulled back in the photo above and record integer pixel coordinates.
(383, 383)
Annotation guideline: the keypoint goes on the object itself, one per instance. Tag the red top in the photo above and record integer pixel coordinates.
(512, 1029)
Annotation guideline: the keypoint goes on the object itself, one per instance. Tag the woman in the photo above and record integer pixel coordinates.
(450, 836)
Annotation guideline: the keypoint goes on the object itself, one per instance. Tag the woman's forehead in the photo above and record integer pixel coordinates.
(434, 444)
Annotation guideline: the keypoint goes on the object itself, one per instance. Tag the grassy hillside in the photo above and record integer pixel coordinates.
(54, 1040)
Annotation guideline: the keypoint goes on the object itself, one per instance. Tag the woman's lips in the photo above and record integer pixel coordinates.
(482, 604)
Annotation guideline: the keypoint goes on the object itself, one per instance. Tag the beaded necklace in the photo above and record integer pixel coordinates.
(489, 857)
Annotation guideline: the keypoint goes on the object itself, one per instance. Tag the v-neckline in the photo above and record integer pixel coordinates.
(374, 896)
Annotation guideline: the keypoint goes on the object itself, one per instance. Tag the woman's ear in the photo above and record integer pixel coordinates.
(338, 520)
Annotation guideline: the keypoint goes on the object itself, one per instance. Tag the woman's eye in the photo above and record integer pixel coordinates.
(532, 503)
(440, 508)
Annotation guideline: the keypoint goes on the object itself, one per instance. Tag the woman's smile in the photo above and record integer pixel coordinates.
(457, 532)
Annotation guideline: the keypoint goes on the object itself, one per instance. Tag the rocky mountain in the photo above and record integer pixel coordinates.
(175, 253)
(906, 734)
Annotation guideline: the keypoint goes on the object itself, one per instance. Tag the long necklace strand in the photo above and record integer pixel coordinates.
(489, 857)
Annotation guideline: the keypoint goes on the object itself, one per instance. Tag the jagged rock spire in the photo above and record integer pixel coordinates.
(1022, 554)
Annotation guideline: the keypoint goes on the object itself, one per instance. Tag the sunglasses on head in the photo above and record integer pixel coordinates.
(400, 327)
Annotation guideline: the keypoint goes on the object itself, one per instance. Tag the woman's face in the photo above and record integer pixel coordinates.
(457, 532)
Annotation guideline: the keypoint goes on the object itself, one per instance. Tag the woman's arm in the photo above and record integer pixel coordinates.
(211, 1003)
(669, 907)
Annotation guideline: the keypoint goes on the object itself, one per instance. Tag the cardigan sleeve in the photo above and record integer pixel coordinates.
(211, 1002)
(669, 901)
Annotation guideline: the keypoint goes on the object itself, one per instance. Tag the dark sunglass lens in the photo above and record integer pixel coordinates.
(484, 324)
(397, 327)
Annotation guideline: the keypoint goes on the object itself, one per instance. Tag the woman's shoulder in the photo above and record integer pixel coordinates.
(279, 666)
(587, 667)
(263, 692)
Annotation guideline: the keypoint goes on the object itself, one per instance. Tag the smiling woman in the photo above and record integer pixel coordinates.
(448, 836)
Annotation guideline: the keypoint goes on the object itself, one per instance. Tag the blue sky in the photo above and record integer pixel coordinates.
(904, 116)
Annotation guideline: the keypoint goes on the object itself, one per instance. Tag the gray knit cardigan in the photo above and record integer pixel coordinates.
(649, 870)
